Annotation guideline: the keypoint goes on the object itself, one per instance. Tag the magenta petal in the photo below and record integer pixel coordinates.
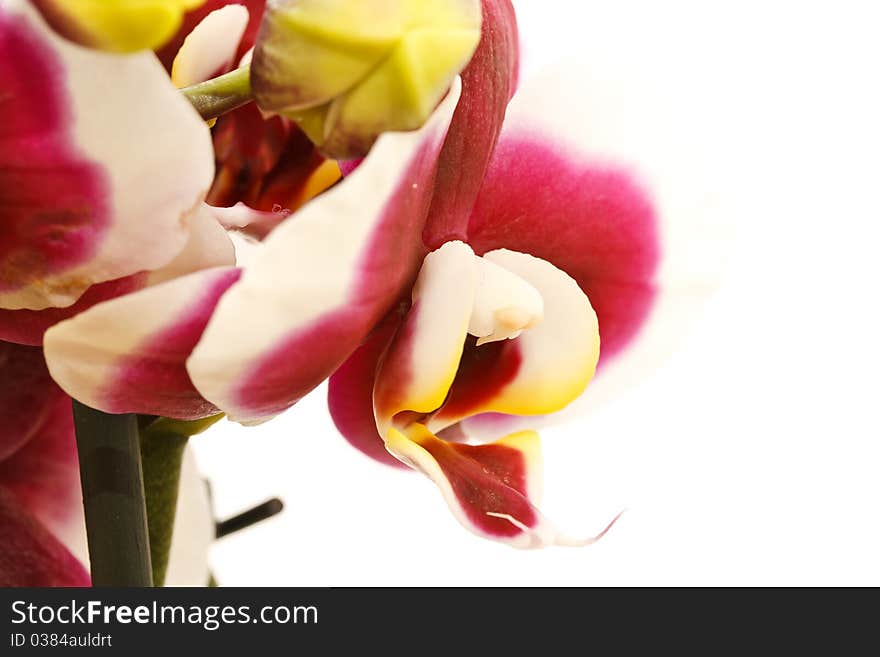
(593, 221)
(53, 202)
(44, 473)
(28, 326)
(488, 83)
(350, 395)
(38, 460)
(26, 395)
(29, 554)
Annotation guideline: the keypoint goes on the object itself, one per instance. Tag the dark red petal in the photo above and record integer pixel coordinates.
(26, 395)
(44, 473)
(29, 554)
(350, 395)
(482, 373)
(486, 479)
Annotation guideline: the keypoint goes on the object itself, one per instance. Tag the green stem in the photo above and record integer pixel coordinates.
(222, 94)
(162, 454)
(163, 442)
(113, 497)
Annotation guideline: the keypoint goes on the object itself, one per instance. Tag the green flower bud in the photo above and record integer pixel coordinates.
(348, 70)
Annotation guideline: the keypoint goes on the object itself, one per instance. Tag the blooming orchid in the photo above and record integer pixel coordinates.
(322, 282)
(452, 284)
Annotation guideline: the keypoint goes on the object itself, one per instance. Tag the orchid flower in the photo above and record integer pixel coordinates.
(507, 248)
(141, 363)
(123, 219)
(460, 275)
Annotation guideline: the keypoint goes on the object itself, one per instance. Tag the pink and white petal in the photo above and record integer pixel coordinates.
(350, 393)
(208, 245)
(543, 370)
(423, 359)
(628, 203)
(211, 47)
(488, 83)
(124, 180)
(29, 554)
(322, 280)
(127, 355)
(27, 327)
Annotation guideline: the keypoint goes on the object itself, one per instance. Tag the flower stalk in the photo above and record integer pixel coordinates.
(113, 497)
(217, 96)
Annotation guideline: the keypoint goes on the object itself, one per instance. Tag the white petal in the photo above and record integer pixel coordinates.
(211, 46)
(194, 529)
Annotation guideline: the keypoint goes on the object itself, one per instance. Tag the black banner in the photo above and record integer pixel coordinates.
(263, 621)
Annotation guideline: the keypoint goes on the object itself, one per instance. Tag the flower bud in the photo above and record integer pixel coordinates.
(348, 71)
(116, 25)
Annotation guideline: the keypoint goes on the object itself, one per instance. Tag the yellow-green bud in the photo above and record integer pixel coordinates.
(116, 25)
(348, 70)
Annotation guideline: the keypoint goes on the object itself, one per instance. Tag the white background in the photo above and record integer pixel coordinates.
(751, 455)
